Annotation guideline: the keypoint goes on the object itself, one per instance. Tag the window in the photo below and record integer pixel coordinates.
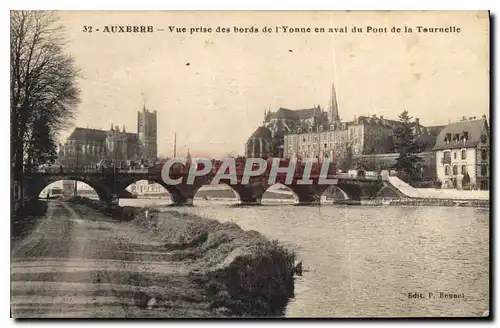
(466, 135)
(484, 154)
(447, 154)
(457, 137)
(464, 154)
(447, 170)
(483, 138)
(326, 145)
(448, 137)
(484, 170)
(455, 169)
(454, 155)
(464, 169)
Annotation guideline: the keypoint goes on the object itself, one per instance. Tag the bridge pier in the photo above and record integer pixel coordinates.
(183, 193)
(179, 200)
(308, 194)
(250, 194)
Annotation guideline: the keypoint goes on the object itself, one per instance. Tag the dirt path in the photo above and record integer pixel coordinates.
(78, 263)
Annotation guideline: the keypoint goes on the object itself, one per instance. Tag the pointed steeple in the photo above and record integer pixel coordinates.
(111, 128)
(123, 128)
(334, 109)
(188, 157)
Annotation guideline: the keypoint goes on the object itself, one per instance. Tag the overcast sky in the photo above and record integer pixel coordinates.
(218, 100)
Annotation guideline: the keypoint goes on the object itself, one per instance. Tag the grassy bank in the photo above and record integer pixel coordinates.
(26, 219)
(236, 272)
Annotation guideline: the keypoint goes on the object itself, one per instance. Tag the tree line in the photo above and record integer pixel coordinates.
(43, 88)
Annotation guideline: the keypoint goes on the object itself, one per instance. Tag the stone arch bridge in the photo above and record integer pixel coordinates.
(108, 184)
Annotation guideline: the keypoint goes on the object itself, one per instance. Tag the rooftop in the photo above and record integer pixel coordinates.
(464, 134)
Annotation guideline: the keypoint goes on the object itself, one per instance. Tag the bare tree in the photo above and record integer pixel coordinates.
(43, 89)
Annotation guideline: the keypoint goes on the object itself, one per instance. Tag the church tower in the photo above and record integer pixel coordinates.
(147, 131)
(334, 108)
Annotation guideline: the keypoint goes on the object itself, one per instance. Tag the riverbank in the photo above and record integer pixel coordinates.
(231, 272)
(418, 202)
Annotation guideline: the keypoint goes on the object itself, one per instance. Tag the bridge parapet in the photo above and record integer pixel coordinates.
(108, 183)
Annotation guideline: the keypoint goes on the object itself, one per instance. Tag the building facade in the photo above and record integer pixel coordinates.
(463, 155)
(144, 187)
(362, 136)
(88, 147)
(317, 134)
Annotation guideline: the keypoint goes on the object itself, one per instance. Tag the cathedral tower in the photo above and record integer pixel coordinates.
(147, 132)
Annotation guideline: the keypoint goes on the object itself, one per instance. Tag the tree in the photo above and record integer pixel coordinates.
(405, 144)
(466, 181)
(42, 144)
(43, 89)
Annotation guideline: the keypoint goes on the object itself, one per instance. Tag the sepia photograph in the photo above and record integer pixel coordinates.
(250, 164)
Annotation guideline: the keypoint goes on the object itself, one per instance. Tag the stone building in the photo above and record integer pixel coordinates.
(268, 139)
(463, 149)
(87, 147)
(317, 134)
(362, 136)
(260, 144)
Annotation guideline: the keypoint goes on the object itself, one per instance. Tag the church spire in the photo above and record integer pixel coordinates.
(334, 109)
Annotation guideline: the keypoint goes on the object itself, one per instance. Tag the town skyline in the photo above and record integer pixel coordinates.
(202, 86)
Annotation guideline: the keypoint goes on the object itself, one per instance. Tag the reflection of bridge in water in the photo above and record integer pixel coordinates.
(109, 183)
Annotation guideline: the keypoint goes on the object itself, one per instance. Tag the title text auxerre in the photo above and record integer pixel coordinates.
(119, 29)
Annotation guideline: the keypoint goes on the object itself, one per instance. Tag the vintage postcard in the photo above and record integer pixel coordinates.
(314, 164)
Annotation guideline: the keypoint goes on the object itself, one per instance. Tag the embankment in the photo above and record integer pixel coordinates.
(409, 195)
(236, 272)
(26, 219)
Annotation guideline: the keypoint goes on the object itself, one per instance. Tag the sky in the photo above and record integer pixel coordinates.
(212, 88)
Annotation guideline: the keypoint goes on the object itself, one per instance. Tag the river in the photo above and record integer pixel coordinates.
(363, 261)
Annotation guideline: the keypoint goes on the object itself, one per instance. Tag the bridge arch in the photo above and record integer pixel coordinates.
(221, 190)
(335, 192)
(38, 184)
(125, 184)
(280, 191)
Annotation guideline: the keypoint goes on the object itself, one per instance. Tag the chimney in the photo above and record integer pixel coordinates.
(417, 121)
(381, 117)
